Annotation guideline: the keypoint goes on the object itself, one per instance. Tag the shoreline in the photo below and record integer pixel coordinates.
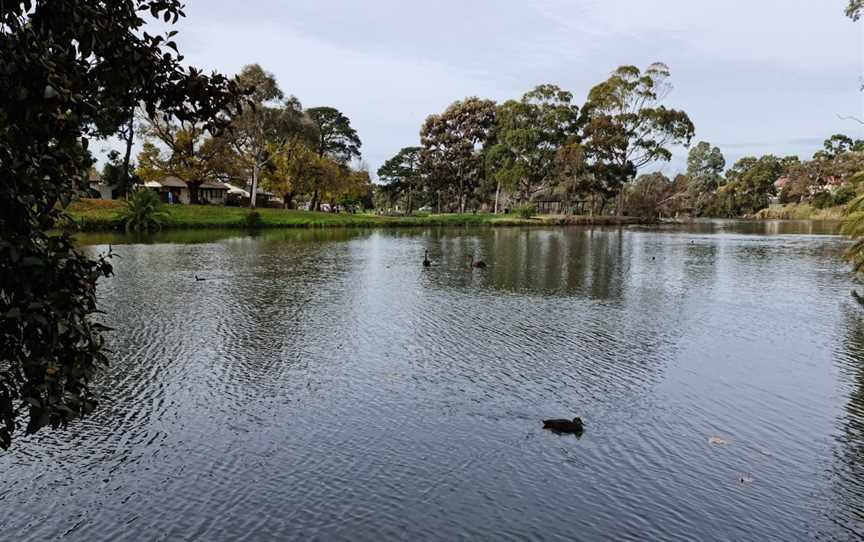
(103, 216)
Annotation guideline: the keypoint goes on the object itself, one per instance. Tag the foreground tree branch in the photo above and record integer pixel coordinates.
(67, 67)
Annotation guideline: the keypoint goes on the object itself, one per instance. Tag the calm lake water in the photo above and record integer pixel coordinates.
(323, 385)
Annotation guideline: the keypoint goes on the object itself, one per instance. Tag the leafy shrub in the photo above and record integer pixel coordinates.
(525, 211)
(844, 195)
(143, 210)
(823, 200)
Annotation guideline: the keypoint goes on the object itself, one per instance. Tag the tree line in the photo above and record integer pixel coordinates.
(832, 177)
(270, 142)
(481, 155)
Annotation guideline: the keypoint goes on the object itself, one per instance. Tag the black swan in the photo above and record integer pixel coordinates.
(564, 426)
(426, 262)
(199, 279)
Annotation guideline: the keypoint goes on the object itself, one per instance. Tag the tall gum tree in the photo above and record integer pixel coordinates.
(705, 165)
(453, 144)
(264, 123)
(626, 127)
(527, 136)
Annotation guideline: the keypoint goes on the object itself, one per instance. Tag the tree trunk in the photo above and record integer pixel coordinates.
(254, 192)
(313, 205)
(497, 194)
(439, 202)
(410, 202)
(127, 158)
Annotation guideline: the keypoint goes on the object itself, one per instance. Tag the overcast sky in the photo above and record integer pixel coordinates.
(756, 76)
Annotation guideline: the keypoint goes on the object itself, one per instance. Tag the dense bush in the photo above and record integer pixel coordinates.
(823, 200)
(144, 210)
(844, 195)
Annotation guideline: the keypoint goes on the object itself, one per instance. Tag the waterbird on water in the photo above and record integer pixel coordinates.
(564, 426)
(199, 279)
(479, 264)
(426, 262)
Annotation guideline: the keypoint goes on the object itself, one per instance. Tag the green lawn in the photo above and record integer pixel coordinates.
(90, 215)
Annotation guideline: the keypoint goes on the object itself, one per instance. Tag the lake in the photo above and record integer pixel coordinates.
(321, 384)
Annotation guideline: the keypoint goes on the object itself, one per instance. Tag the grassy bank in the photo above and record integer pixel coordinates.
(95, 215)
(801, 211)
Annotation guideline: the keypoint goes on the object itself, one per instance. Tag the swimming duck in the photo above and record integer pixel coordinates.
(479, 264)
(564, 426)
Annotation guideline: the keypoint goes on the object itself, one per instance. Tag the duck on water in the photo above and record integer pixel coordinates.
(478, 264)
(574, 426)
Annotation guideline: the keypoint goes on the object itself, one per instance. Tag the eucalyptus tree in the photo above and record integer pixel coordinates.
(855, 9)
(401, 174)
(528, 134)
(705, 165)
(266, 122)
(453, 142)
(627, 127)
(837, 145)
(63, 63)
(647, 194)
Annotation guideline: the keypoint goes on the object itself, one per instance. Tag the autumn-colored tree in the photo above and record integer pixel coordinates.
(191, 154)
(266, 122)
(290, 168)
(337, 139)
